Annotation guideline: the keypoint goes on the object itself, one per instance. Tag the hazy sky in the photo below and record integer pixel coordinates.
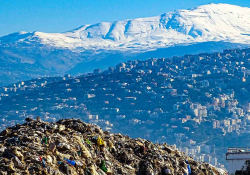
(63, 15)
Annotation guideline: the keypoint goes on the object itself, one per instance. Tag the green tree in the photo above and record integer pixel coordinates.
(245, 170)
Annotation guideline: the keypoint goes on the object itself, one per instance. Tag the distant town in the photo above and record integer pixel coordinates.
(200, 102)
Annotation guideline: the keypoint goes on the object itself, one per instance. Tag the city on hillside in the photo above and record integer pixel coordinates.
(199, 103)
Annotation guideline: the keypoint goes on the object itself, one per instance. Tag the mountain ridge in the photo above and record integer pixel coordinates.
(199, 24)
(36, 54)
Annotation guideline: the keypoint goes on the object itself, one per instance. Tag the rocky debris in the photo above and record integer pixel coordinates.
(73, 147)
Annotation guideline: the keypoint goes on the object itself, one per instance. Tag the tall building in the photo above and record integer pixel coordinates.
(236, 158)
(214, 161)
(207, 158)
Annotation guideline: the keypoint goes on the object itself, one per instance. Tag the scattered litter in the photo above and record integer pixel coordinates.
(73, 147)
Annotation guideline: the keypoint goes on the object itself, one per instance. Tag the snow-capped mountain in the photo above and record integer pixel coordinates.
(61, 52)
(213, 22)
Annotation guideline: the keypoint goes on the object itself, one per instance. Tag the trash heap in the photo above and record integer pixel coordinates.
(73, 147)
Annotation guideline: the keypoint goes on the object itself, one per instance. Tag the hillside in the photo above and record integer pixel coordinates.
(73, 147)
(27, 55)
(198, 102)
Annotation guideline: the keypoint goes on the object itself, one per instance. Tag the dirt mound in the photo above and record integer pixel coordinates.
(73, 147)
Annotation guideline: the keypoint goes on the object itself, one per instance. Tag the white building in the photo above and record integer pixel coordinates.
(236, 158)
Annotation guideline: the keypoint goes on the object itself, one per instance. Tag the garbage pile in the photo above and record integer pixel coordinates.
(73, 147)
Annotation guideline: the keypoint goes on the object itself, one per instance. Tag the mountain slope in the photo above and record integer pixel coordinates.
(58, 53)
(213, 22)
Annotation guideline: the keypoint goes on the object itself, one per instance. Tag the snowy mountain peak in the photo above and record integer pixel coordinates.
(212, 22)
(207, 28)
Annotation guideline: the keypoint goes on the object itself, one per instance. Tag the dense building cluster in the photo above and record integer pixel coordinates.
(194, 101)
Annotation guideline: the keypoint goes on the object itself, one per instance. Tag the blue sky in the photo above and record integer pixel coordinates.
(63, 15)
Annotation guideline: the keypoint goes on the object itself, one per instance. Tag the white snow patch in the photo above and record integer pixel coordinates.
(213, 22)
